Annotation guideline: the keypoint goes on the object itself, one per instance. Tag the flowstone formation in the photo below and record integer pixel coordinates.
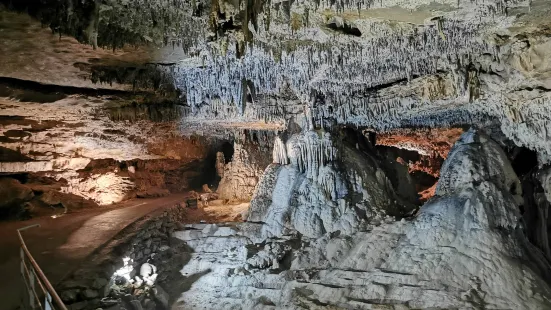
(317, 186)
(464, 248)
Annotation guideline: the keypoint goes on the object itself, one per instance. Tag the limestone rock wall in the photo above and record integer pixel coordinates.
(241, 175)
(75, 140)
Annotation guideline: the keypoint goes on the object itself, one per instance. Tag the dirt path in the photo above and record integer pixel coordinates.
(216, 213)
(60, 244)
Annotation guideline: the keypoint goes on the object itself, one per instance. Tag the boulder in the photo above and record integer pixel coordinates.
(14, 195)
(90, 294)
(161, 296)
(100, 283)
(69, 296)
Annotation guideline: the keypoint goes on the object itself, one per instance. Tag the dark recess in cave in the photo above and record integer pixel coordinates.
(44, 93)
(535, 207)
(9, 155)
(209, 175)
(356, 138)
(407, 188)
(29, 95)
(226, 25)
(23, 178)
(227, 149)
(424, 180)
(525, 163)
(346, 29)
(393, 159)
(523, 160)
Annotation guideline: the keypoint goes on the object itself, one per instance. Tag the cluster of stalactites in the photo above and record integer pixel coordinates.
(313, 154)
(340, 70)
(339, 6)
(308, 152)
(268, 109)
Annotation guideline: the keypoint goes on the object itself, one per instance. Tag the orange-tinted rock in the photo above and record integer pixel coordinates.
(432, 144)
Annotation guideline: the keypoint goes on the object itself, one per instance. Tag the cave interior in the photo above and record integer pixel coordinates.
(277, 154)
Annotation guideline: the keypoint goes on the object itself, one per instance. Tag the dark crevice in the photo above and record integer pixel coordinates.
(345, 28)
(59, 89)
(523, 160)
(227, 149)
(535, 207)
(538, 88)
(9, 155)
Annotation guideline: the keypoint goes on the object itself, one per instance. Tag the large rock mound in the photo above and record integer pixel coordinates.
(321, 186)
(464, 249)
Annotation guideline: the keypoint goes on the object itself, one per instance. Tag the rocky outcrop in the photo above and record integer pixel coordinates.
(240, 176)
(251, 155)
(37, 197)
(319, 186)
(75, 141)
(464, 249)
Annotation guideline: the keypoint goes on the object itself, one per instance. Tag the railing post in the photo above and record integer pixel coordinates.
(25, 286)
(48, 301)
(31, 289)
(50, 295)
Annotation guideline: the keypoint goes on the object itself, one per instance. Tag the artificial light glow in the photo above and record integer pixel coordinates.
(126, 269)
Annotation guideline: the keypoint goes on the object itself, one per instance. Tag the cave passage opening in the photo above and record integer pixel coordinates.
(227, 150)
(420, 152)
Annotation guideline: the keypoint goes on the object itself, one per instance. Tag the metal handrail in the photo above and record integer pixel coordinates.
(32, 272)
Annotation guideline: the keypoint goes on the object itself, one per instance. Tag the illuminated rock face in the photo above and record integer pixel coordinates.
(422, 151)
(464, 249)
(321, 187)
(76, 142)
(427, 142)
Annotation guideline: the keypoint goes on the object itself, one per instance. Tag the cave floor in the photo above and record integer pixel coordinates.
(60, 244)
(216, 212)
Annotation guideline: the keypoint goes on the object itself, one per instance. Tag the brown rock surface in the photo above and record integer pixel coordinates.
(432, 145)
(13, 195)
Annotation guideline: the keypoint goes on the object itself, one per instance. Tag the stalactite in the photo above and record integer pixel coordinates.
(280, 153)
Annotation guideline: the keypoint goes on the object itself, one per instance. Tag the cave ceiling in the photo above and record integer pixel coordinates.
(267, 65)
